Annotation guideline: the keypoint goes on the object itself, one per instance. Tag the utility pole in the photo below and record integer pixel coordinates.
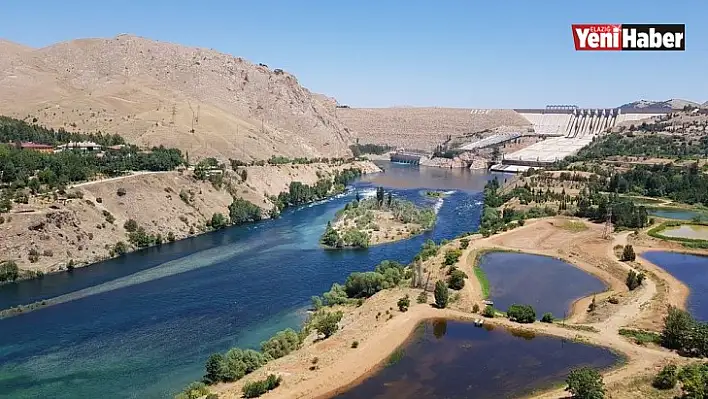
(608, 223)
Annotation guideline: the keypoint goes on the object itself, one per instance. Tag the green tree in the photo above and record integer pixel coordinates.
(475, 308)
(456, 281)
(404, 303)
(628, 253)
(328, 324)
(218, 221)
(214, 369)
(442, 296)
(547, 318)
(242, 211)
(452, 256)
(677, 326)
(634, 280)
(9, 271)
(521, 313)
(489, 311)
(585, 383)
(694, 381)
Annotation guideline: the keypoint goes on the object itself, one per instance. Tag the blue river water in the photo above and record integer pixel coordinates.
(141, 326)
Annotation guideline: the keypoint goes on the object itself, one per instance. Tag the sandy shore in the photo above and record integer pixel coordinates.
(379, 327)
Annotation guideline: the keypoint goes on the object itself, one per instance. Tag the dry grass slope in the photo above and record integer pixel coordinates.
(155, 93)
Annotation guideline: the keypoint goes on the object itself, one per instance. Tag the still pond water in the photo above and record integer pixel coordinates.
(547, 284)
(450, 359)
(691, 270)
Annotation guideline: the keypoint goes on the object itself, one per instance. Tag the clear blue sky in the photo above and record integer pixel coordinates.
(484, 54)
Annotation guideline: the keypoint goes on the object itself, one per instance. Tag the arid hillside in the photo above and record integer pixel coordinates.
(152, 93)
(422, 128)
(85, 229)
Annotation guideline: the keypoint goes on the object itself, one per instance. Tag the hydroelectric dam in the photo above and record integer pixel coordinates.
(566, 129)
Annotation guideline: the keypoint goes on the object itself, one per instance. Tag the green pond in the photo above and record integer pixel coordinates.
(693, 231)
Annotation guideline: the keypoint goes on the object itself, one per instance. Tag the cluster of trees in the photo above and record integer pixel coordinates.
(359, 149)
(596, 206)
(521, 313)
(299, 193)
(13, 130)
(693, 378)
(683, 184)
(55, 169)
(685, 334)
(358, 285)
(647, 145)
(242, 211)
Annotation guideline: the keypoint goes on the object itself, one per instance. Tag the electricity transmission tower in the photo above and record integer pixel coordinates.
(608, 223)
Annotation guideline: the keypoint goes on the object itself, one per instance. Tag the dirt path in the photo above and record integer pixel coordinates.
(133, 174)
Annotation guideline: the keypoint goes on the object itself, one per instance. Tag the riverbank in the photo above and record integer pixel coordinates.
(48, 235)
(339, 365)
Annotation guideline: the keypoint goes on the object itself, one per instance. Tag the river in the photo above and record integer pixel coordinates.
(141, 326)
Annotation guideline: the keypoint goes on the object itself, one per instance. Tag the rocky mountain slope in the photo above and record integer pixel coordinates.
(674, 103)
(152, 93)
(84, 230)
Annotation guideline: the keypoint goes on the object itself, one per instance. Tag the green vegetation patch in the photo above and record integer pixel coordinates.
(641, 337)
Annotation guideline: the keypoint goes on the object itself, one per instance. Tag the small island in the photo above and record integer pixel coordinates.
(435, 194)
(378, 220)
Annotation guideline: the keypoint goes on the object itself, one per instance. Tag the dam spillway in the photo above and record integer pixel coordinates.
(566, 129)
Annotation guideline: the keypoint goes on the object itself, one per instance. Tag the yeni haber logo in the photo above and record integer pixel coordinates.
(614, 37)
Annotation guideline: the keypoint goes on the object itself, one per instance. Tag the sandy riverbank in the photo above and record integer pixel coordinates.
(338, 365)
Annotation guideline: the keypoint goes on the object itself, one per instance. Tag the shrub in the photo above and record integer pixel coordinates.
(9, 271)
(193, 391)
(130, 225)
(634, 280)
(585, 383)
(404, 303)
(457, 279)
(33, 255)
(667, 377)
(489, 311)
(613, 300)
(120, 192)
(327, 324)
(547, 318)
(452, 256)
(255, 389)
(355, 344)
(628, 253)
(218, 221)
(464, 243)
(120, 248)
(170, 236)
(441, 294)
(592, 306)
(109, 217)
(475, 308)
(422, 297)
(281, 344)
(99, 200)
(521, 313)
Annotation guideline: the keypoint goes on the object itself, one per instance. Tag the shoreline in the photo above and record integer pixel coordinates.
(37, 305)
(343, 372)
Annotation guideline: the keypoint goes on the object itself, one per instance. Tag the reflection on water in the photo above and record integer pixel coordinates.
(691, 270)
(547, 284)
(694, 231)
(457, 360)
